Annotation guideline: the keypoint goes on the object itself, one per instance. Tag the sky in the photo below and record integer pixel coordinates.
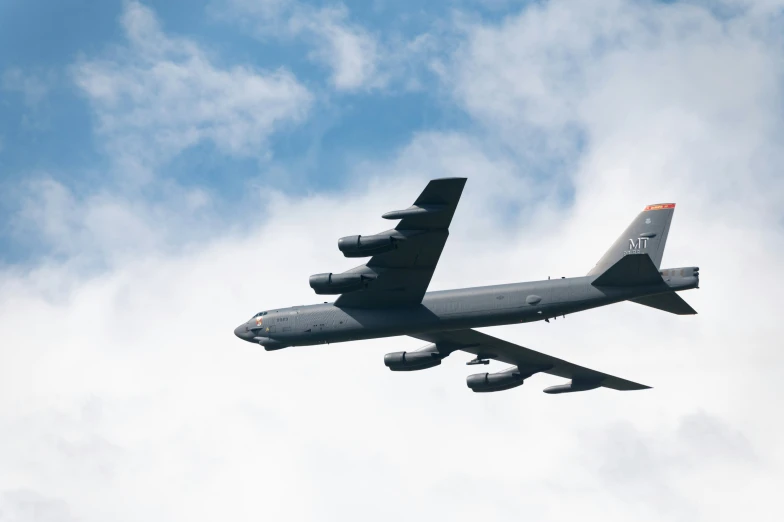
(168, 169)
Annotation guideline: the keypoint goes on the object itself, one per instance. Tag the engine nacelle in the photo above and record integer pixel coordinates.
(339, 283)
(491, 382)
(427, 357)
(364, 246)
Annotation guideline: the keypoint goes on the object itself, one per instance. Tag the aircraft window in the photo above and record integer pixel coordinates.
(260, 314)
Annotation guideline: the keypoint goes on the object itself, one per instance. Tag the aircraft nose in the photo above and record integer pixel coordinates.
(242, 332)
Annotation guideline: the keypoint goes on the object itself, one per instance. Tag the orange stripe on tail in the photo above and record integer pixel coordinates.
(660, 206)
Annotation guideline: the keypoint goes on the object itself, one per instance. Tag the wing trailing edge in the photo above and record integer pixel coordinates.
(667, 302)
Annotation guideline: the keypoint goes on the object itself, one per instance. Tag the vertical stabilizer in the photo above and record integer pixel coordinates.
(647, 234)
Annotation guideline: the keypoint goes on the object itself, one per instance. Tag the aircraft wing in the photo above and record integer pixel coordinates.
(400, 277)
(526, 360)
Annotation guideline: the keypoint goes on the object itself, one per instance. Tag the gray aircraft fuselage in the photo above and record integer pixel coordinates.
(449, 310)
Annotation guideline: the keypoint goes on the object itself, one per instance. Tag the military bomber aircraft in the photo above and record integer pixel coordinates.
(387, 296)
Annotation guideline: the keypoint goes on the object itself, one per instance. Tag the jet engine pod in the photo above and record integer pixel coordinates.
(339, 283)
(364, 246)
(409, 361)
(491, 382)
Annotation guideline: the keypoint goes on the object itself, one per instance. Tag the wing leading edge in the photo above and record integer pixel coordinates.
(400, 277)
(526, 362)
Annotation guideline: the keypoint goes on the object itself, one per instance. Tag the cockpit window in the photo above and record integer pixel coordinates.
(259, 314)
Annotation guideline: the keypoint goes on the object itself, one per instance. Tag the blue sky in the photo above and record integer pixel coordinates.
(411, 77)
(47, 125)
(53, 133)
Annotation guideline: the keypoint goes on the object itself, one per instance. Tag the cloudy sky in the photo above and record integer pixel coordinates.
(169, 168)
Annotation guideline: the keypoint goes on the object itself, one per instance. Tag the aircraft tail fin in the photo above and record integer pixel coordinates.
(668, 302)
(647, 234)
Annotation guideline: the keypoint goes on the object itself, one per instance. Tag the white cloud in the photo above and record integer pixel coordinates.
(34, 86)
(153, 410)
(105, 228)
(355, 57)
(536, 75)
(125, 396)
(22, 505)
(348, 49)
(29, 88)
(162, 94)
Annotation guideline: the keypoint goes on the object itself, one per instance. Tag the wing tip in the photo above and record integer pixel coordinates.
(623, 385)
(450, 178)
(659, 206)
(449, 182)
(637, 386)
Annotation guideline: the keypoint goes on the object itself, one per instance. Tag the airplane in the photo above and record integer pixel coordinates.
(387, 296)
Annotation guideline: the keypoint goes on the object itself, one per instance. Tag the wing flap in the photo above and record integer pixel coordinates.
(527, 360)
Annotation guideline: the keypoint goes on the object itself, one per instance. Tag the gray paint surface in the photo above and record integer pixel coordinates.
(390, 298)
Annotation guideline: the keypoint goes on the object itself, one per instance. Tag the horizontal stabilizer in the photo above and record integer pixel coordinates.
(630, 270)
(668, 302)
